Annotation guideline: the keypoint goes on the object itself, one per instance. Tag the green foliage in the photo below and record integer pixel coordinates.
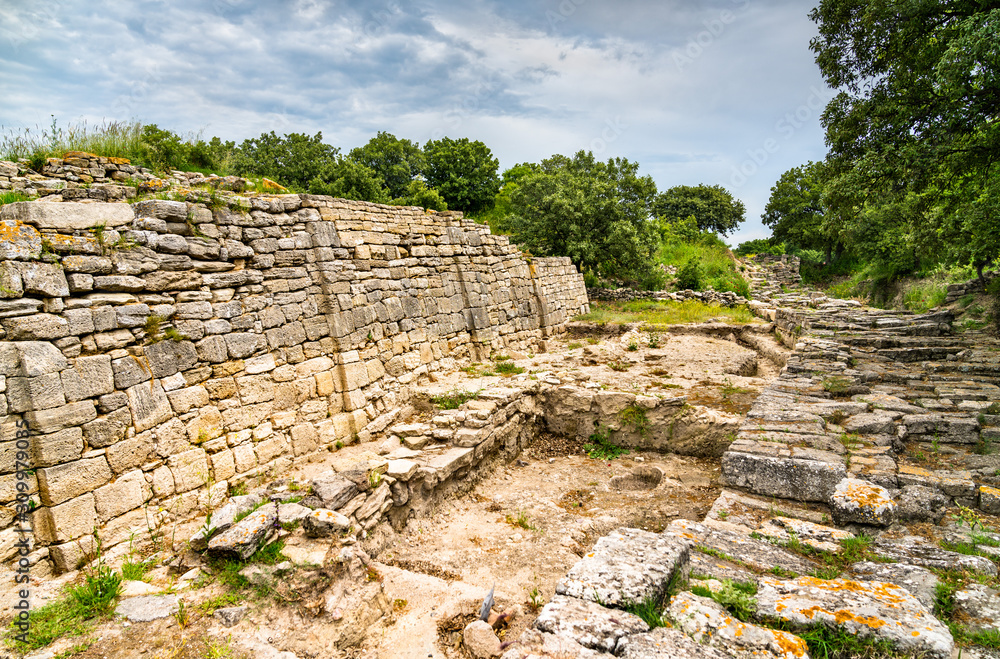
(760, 246)
(649, 609)
(795, 209)
(635, 416)
(521, 520)
(600, 446)
(507, 368)
(453, 399)
(737, 597)
(347, 179)
(418, 194)
(838, 643)
(713, 207)
(690, 275)
(664, 312)
(293, 160)
(13, 196)
(120, 139)
(164, 150)
(396, 162)
(463, 172)
(594, 212)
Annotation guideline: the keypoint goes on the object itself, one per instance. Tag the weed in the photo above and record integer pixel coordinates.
(633, 346)
(664, 312)
(454, 399)
(649, 610)
(372, 575)
(238, 490)
(722, 514)
(182, 614)
(574, 345)
(535, 599)
(619, 366)
(338, 445)
(521, 520)
(174, 335)
(654, 340)
(600, 446)
(635, 416)
(218, 650)
(836, 385)
(209, 606)
(508, 368)
(783, 573)
(399, 605)
(592, 341)
(374, 478)
(729, 389)
(737, 597)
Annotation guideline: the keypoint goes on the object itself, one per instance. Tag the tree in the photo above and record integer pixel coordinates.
(795, 210)
(293, 160)
(913, 133)
(463, 172)
(597, 213)
(712, 206)
(418, 194)
(348, 179)
(397, 162)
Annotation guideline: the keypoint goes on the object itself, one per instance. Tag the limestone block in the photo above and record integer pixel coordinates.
(67, 521)
(18, 240)
(260, 364)
(69, 216)
(242, 345)
(130, 371)
(92, 265)
(870, 609)
(163, 481)
(60, 418)
(95, 375)
(862, 502)
(243, 539)
(322, 523)
(11, 486)
(175, 211)
(63, 482)
(333, 489)
(978, 607)
(107, 430)
(58, 447)
(127, 492)
(10, 279)
(189, 398)
(771, 470)
(245, 458)
(223, 465)
(627, 565)
(304, 439)
(168, 357)
(708, 623)
(37, 327)
(270, 449)
(81, 321)
(989, 499)
(212, 349)
(255, 388)
(149, 405)
(130, 453)
(43, 279)
(38, 393)
(189, 469)
(918, 581)
(588, 623)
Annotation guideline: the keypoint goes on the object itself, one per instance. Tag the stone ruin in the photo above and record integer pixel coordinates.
(183, 347)
(162, 351)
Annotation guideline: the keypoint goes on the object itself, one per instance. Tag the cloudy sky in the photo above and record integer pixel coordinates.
(713, 91)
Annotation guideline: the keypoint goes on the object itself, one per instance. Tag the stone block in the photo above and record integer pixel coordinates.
(190, 469)
(861, 502)
(19, 240)
(243, 539)
(168, 357)
(245, 458)
(108, 429)
(255, 388)
(38, 393)
(67, 521)
(223, 465)
(127, 492)
(63, 482)
(189, 398)
(242, 345)
(333, 490)
(37, 327)
(95, 374)
(212, 349)
(43, 279)
(149, 405)
(36, 358)
(130, 453)
(772, 471)
(60, 418)
(304, 439)
(69, 216)
(989, 499)
(322, 523)
(58, 447)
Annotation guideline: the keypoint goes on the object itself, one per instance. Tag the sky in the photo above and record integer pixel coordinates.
(718, 91)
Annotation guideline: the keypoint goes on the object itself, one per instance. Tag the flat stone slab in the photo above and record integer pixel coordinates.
(866, 608)
(917, 551)
(664, 643)
(588, 623)
(333, 489)
(709, 624)
(147, 607)
(533, 644)
(978, 607)
(859, 501)
(244, 538)
(919, 582)
(777, 470)
(626, 566)
(824, 538)
(720, 538)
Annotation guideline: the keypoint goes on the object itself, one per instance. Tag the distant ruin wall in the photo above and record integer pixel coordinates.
(162, 350)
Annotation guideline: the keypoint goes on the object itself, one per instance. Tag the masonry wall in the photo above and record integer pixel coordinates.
(160, 351)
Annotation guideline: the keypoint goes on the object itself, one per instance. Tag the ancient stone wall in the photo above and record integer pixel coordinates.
(159, 352)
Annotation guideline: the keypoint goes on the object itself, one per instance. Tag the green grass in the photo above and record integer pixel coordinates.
(649, 610)
(600, 446)
(12, 196)
(923, 296)
(521, 521)
(120, 139)
(507, 368)
(635, 416)
(837, 643)
(664, 312)
(227, 571)
(454, 399)
(737, 597)
(717, 269)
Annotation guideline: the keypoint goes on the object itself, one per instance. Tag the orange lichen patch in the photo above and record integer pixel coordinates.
(119, 161)
(914, 471)
(887, 593)
(915, 633)
(844, 615)
(789, 644)
(79, 154)
(866, 496)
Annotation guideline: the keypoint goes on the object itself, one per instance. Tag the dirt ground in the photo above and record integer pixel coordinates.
(520, 529)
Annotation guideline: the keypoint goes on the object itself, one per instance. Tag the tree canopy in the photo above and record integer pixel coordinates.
(595, 212)
(795, 211)
(913, 132)
(395, 161)
(712, 206)
(463, 172)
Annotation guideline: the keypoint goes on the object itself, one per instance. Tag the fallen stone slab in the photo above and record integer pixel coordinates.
(861, 502)
(147, 607)
(588, 623)
(533, 644)
(322, 523)
(664, 643)
(917, 551)
(944, 428)
(231, 615)
(919, 582)
(708, 623)
(778, 470)
(978, 607)
(222, 519)
(627, 566)
(818, 536)
(720, 539)
(243, 539)
(872, 609)
(333, 490)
